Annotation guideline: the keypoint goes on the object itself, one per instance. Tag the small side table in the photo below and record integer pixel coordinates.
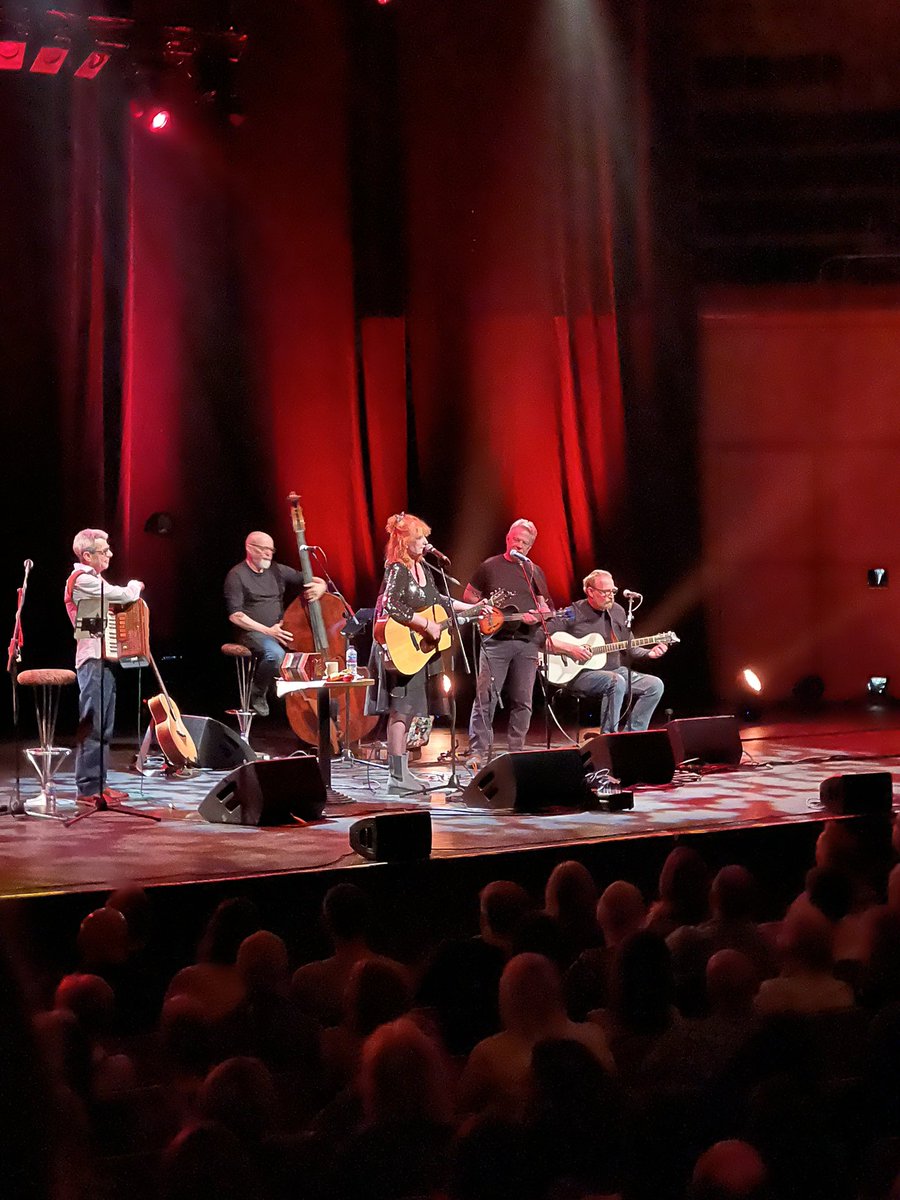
(323, 689)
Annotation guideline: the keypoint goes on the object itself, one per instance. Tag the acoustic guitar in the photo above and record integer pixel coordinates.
(174, 740)
(409, 649)
(561, 669)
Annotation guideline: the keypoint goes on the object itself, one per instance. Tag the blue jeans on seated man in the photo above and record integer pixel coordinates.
(646, 691)
(270, 655)
(87, 757)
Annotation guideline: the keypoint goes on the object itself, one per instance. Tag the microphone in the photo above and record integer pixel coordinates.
(630, 595)
(519, 555)
(429, 549)
(308, 548)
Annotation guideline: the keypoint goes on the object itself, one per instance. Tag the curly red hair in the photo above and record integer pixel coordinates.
(401, 529)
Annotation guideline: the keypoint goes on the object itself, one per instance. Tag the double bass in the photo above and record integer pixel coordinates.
(316, 626)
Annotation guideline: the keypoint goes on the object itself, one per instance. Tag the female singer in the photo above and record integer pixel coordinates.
(408, 589)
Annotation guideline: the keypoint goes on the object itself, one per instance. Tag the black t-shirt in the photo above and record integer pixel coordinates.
(259, 596)
(500, 572)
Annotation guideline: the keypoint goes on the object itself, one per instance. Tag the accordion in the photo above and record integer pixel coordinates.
(126, 631)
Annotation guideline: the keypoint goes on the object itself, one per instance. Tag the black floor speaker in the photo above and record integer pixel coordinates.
(706, 740)
(218, 747)
(393, 837)
(866, 792)
(532, 782)
(279, 791)
(644, 757)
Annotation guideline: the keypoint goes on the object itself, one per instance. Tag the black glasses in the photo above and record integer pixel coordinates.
(605, 591)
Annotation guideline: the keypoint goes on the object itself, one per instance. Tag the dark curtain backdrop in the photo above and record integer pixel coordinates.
(391, 287)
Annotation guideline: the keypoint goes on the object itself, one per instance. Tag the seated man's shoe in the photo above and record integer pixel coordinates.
(92, 799)
(260, 705)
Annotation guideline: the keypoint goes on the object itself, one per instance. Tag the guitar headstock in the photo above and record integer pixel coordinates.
(297, 518)
(669, 639)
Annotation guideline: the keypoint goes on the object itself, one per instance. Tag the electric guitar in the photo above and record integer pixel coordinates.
(409, 649)
(562, 669)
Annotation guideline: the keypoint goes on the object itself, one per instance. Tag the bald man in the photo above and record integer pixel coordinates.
(254, 601)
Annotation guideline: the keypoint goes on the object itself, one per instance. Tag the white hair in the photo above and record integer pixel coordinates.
(589, 579)
(525, 524)
(85, 541)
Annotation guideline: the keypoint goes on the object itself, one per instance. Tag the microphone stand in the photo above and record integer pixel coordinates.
(545, 653)
(453, 782)
(629, 638)
(14, 657)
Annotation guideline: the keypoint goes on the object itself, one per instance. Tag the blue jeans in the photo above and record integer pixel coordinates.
(95, 719)
(512, 662)
(270, 655)
(646, 691)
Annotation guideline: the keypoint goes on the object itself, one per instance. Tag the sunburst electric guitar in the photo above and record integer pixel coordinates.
(409, 649)
(562, 669)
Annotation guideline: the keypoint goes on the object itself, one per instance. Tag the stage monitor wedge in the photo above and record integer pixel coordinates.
(280, 791)
(532, 781)
(643, 757)
(218, 747)
(706, 740)
(858, 794)
(393, 837)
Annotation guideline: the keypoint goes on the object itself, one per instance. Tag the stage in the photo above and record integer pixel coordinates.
(776, 785)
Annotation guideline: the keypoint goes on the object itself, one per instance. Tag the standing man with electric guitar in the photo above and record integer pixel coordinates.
(85, 587)
(254, 599)
(509, 656)
(411, 627)
(599, 614)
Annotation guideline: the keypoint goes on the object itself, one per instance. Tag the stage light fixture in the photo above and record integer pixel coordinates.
(12, 56)
(158, 119)
(49, 60)
(877, 577)
(93, 65)
(878, 685)
(751, 681)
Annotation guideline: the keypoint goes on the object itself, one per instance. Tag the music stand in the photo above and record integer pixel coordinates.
(95, 626)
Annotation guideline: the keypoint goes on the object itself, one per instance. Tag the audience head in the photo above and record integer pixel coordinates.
(347, 912)
(830, 891)
(103, 938)
(837, 847)
(186, 1035)
(730, 1170)
(684, 885)
(621, 910)
(262, 962)
(806, 939)
(402, 1076)
(569, 1082)
(733, 894)
(643, 988)
(503, 906)
(232, 921)
(90, 999)
(65, 1049)
(134, 904)
(530, 994)
(240, 1094)
(539, 933)
(378, 991)
(571, 895)
(731, 983)
(206, 1160)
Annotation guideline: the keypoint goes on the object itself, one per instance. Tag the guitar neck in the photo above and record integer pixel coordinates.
(614, 647)
(159, 678)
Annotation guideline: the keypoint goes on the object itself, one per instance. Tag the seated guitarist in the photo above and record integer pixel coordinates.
(599, 613)
(407, 591)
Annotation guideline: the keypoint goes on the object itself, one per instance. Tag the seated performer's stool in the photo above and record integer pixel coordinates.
(245, 665)
(46, 758)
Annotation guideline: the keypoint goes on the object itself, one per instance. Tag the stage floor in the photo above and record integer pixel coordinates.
(778, 783)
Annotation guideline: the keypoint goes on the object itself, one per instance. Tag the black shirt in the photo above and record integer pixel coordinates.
(610, 625)
(500, 572)
(259, 596)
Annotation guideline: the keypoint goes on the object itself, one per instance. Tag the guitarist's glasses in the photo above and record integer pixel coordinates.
(604, 591)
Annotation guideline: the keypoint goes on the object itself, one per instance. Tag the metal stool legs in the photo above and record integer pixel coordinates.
(46, 759)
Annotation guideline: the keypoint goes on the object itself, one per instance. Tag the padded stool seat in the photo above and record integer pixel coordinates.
(47, 677)
(236, 650)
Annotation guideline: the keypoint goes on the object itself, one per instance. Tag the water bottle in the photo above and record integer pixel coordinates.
(351, 660)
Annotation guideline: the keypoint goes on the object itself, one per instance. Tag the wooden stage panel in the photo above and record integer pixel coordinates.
(779, 785)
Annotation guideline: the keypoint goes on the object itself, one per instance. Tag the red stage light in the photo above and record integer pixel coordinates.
(12, 56)
(49, 59)
(159, 120)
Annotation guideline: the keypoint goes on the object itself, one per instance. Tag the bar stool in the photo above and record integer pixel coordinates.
(47, 759)
(245, 665)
